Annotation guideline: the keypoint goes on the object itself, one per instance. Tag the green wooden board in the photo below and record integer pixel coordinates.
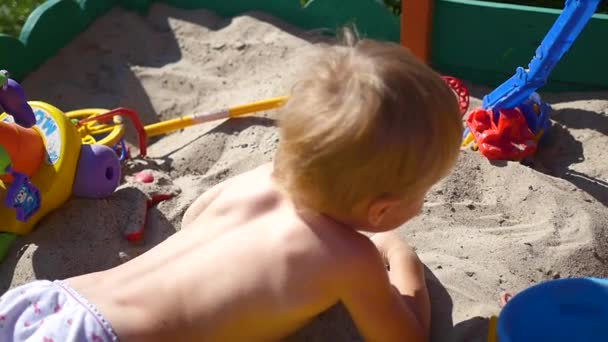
(478, 41)
(49, 28)
(93, 9)
(485, 42)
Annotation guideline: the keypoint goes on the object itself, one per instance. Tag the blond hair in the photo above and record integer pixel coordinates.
(367, 119)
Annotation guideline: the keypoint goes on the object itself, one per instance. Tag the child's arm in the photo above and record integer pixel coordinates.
(406, 273)
(381, 311)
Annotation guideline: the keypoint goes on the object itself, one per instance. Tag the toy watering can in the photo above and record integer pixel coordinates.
(43, 162)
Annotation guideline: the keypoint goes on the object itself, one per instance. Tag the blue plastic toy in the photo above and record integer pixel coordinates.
(22, 196)
(518, 92)
(556, 43)
(563, 310)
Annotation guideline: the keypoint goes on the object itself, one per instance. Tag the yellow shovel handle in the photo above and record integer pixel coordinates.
(168, 126)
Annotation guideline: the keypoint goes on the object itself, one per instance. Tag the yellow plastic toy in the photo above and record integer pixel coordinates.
(55, 176)
(94, 126)
(168, 126)
(43, 163)
(94, 130)
(492, 336)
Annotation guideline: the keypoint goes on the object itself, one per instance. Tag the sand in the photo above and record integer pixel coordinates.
(486, 228)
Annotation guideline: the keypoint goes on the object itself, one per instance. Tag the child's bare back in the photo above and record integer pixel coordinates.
(244, 259)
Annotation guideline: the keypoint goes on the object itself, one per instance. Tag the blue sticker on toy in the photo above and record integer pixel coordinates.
(22, 196)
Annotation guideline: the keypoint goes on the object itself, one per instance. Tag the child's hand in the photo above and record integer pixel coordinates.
(406, 274)
(390, 243)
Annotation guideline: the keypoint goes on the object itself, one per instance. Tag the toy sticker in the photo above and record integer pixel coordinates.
(22, 196)
(7, 118)
(50, 131)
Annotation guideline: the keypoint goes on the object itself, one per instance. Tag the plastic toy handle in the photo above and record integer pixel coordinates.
(131, 114)
(492, 334)
(14, 102)
(257, 106)
(556, 43)
(168, 126)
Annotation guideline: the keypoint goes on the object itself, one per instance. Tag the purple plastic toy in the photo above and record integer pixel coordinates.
(98, 173)
(13, 101)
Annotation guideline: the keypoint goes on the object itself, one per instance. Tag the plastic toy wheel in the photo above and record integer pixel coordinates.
(95, 132)
(461, 91)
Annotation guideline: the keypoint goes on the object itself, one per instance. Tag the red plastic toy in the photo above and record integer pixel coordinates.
(461, 91)
(510, 139)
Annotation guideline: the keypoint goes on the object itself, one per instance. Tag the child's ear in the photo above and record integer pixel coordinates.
(379, 208)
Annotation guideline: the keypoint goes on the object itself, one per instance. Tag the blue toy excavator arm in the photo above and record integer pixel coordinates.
(558, 40)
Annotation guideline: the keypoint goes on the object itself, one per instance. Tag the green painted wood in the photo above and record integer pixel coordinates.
(49, 28)
(13, 56)
(476, 40)
(140, 6)
(484, 42)
(94, 9)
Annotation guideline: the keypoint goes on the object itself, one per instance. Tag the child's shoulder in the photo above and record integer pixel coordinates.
(332, 247)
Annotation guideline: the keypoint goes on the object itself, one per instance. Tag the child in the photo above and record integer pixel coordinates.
(366, 132)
